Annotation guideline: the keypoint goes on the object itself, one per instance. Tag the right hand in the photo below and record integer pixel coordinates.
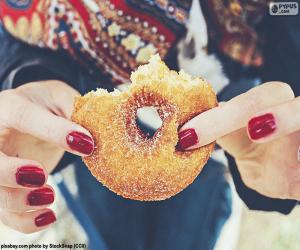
(261, 130)
(35, 130)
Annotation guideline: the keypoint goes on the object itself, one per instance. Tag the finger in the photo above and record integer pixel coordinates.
(56, 96)
(28, 117)
(22, 200)
(18, 173)
(233, 115)
(28, 222)
(275, 122)
(236, 143)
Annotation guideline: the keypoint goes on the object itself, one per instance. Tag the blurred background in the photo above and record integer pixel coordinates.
(269, 231)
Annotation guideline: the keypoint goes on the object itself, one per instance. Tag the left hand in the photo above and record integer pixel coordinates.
(261, 130)
(35, 130)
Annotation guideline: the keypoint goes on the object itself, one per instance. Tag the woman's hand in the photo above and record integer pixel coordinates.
(261, 130)
(35, 130)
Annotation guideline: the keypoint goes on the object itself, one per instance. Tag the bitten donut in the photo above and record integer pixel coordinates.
(129, 162)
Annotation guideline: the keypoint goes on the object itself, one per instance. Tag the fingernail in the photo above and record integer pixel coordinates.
(45, 219)
(80, 142)
(261, 126)
(42, 196)
(187, 138)
(30, 176)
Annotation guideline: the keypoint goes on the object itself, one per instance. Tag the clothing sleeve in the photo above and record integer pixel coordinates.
(21, 63)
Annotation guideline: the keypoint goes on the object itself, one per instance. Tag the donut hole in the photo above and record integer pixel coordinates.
(148, 120)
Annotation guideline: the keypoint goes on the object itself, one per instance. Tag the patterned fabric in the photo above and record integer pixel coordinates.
(119, 35)
(111, 34)
(234, 27)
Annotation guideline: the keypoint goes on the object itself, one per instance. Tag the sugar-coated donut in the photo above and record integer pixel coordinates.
(127, 161)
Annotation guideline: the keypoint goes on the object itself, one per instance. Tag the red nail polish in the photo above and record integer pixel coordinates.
(261, 126)
(187, 138)
(30, 176)
(80, 142)
(42, 196)
(45, 219)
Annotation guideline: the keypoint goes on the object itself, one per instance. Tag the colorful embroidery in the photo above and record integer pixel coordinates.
(109, 34)
(118, 35)
(231, 26)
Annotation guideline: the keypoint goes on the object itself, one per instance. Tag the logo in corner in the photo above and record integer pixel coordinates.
(283, 8)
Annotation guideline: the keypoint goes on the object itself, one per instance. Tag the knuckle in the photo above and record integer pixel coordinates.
(20, 227)
(284, 89)
(255, 101)
(58, 82)
(7, 196)
(49, 85)
(8, 96)
(256, 97)
(12, 105)
(15, 221)
(19, 113)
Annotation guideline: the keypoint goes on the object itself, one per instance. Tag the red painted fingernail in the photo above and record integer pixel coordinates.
(30, 176)
(80, 142)
(187, 138)
(45, 219)
(261, 126)
(42, 196)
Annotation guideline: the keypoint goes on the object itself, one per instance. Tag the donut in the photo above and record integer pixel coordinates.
(129, 162)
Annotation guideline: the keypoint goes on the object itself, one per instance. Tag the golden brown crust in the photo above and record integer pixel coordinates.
(126, 161)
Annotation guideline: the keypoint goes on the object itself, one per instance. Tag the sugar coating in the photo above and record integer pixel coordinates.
(125, 160)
